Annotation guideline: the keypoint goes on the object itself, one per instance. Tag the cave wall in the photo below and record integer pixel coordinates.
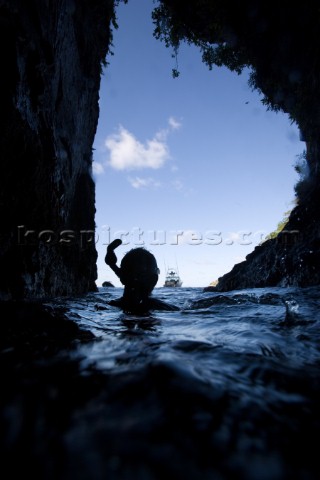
(293, 257)
(51, 55)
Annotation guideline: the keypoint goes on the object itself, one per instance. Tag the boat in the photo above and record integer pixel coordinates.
(172, 278)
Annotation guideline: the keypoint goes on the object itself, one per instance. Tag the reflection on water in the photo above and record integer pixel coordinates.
(227, 387)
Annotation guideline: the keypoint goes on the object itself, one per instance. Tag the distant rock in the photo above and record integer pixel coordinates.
(211, 287)
(107, 284)
(290, 259)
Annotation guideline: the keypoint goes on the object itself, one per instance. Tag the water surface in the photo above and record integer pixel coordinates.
(227, 387)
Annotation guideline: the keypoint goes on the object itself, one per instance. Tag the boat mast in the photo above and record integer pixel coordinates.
(165, 267)
(177, 265)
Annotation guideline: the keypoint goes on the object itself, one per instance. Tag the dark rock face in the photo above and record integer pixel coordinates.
(51, 55)
(292, 258)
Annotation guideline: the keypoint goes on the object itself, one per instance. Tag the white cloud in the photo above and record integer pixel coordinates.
(174, 124)
(138, 182)
(97, 168)
(127, 153)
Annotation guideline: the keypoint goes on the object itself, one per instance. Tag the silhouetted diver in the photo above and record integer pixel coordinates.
(139, 274)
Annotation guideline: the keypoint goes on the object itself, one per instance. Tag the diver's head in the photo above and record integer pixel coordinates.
(139, 271)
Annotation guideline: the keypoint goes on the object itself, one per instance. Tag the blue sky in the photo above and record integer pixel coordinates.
(194, 168)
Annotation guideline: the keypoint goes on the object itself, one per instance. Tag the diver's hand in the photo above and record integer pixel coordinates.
(110, 257)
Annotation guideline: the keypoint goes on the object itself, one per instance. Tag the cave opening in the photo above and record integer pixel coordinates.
(194, 168)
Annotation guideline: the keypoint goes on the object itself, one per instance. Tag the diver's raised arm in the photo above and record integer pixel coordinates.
(111, 258)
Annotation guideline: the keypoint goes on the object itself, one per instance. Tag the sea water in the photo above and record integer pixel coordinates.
(226, 387)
